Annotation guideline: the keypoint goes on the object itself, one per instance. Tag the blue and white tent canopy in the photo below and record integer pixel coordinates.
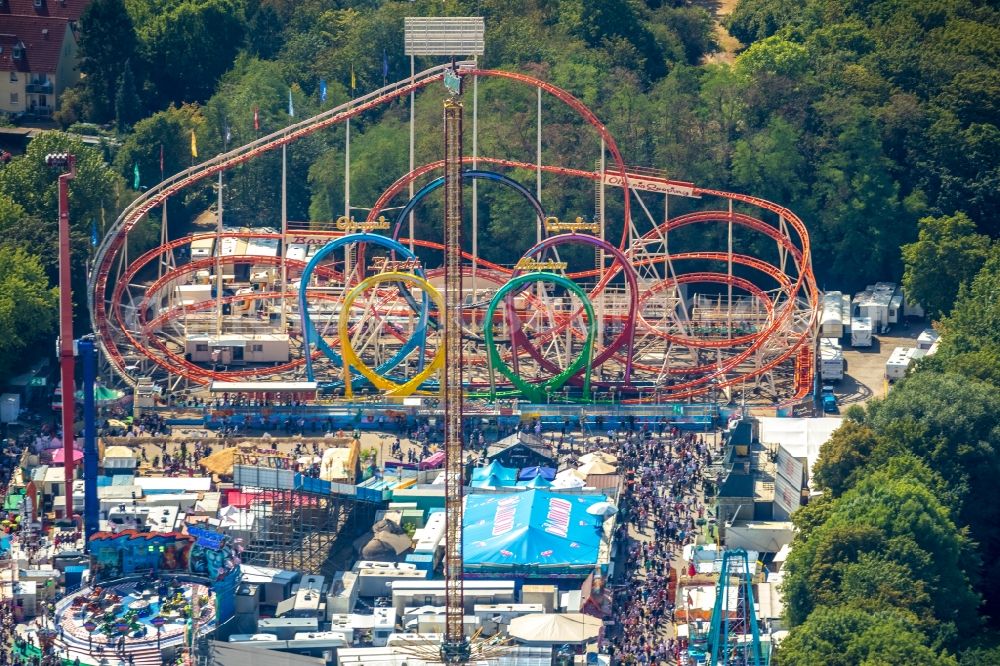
(531, 530)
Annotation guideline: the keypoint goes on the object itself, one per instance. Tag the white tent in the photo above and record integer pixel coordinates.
(599, 455)
(568, 478)
(555, 628)
(802, 438)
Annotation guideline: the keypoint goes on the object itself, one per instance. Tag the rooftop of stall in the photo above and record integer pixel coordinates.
(273, 390)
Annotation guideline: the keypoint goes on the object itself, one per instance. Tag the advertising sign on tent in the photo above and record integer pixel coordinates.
(789, 467)
(786, 496)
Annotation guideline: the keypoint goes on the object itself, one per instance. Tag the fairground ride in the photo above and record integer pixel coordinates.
(357, 305)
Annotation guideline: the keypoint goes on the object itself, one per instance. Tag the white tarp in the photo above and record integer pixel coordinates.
(555, 627)
(802, 438)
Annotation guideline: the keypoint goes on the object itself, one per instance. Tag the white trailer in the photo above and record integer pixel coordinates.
(831, 366)
(878, 303)
(927, 338)
(202, 248)
(861, 332)
(832, 318)
(899, 361)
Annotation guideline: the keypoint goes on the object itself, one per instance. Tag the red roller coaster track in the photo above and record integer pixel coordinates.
(790, 317)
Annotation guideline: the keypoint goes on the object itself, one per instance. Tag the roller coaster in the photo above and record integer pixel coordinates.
(358, 307)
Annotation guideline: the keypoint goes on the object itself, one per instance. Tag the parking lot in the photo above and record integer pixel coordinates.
(864, 374)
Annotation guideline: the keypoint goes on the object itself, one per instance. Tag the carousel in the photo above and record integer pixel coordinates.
(152, 594)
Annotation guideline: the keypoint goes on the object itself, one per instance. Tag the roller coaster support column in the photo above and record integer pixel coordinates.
(66, 164)
(455, 647)
(284, 234)
(91, 505)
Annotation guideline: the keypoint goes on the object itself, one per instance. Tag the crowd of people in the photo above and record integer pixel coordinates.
(661, 511)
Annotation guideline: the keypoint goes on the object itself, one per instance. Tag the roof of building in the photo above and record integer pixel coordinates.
(524, 439)
(41, 40)
(737, 485)
(531, 528)
(67, 10)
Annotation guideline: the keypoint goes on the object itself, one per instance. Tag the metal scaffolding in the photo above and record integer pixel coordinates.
(293, 526)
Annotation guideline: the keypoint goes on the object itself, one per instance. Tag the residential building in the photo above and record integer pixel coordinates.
(38, 60)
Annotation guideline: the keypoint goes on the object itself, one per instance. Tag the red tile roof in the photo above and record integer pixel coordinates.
(41, 51)
(69, 10)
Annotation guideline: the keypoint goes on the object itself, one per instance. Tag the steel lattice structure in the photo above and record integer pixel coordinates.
(644, 332)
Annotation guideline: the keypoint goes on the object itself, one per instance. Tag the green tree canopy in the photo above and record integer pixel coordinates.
(189, 45)
(843, 459)
(887, 543)
(849, 636)
(27, 303)
(107, 44)
(947, 253)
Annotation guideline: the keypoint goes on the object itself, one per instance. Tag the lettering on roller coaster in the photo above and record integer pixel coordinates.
(384, 265)
(308, 240)
(525, 264)
(503, 521)
(381, 224)
(557, 519)
(652, 185)
(553, 225)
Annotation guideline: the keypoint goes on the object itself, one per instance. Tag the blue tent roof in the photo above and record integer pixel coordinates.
(508, 474)
(492, 481)
(531, 472)
(535, 482)
(534, 528)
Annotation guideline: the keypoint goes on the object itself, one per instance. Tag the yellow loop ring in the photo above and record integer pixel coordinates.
(351, 359)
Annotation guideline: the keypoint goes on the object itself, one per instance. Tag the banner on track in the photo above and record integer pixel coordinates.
(652, 185)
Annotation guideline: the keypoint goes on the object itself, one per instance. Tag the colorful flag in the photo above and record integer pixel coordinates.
(291, 107)
(385, 65)
(161, 160)
(135, 177)
(229, 134)
(256, 119)
(93, 233)
(354, 81)
(194, 145)
(322, 90)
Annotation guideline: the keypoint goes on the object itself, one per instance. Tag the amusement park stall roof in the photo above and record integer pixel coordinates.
(802, 438)
(533, 528)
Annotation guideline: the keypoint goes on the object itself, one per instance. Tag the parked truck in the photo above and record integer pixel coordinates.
(831, 368)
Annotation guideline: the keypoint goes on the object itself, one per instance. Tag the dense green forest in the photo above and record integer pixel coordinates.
(876, 121)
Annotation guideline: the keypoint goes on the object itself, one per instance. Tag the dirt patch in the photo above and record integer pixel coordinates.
(728, 45)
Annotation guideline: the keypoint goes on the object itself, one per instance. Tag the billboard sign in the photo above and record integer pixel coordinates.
(789, 467)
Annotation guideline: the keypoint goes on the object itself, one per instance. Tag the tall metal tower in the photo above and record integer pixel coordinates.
(734, 637)
(455, 648)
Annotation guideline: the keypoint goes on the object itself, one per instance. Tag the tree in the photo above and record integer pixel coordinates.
(949, 421)
(601, 23)
(107, 43)
(264, 38)
(886, 543)
(947, 253)
(189, 45)
(970, 343)
(128, 107)
(846, 636)
(33, 185)
(27, 306)
(753, 20)
(844, 457)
